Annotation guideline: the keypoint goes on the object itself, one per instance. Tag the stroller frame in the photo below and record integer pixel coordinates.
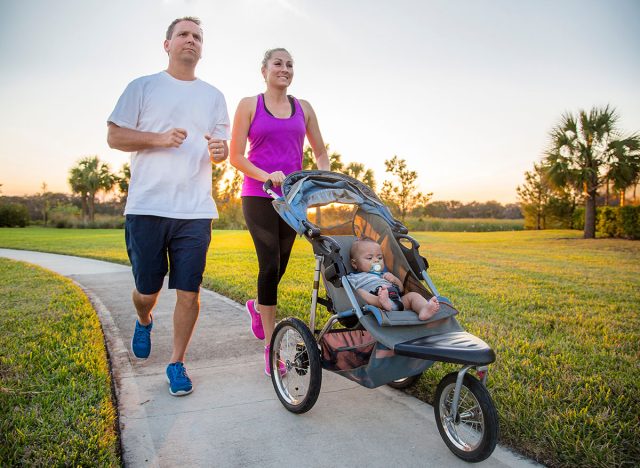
(416, 346)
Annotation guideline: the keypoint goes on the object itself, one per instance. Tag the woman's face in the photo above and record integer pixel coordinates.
(279, 70)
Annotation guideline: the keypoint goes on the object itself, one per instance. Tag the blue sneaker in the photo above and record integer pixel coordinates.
(141, 341)
(179, 381)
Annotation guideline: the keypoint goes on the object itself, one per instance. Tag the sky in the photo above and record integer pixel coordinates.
(465, 91)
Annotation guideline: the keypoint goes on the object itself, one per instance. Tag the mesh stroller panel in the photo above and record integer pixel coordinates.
(356, 355)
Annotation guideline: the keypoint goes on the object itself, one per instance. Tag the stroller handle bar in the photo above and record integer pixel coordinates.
(268, 188)
(312, 231)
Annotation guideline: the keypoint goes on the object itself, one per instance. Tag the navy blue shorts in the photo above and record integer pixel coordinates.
(156, 245)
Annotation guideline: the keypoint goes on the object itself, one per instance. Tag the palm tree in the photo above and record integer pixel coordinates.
(122, 181)
(359, 172)
(77, 181)
(624, 164)
(87, 178)
(581, 153)
(308, 163)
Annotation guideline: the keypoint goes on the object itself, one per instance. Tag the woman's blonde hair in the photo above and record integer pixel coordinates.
(270, 52)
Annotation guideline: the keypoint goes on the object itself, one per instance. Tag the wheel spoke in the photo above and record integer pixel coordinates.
(466, 429)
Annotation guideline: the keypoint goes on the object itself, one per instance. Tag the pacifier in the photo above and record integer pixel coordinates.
(376, 269)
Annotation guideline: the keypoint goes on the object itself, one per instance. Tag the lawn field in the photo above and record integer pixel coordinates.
(55, 387)
(561, 312)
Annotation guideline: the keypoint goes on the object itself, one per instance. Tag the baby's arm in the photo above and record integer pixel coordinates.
(369, 298)
(381, 301)
(391, 278)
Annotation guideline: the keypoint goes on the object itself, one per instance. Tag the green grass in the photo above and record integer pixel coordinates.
(464, 224)
(561, 312)
(55, 388)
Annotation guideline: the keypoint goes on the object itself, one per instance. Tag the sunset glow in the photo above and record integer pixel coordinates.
(465, 92)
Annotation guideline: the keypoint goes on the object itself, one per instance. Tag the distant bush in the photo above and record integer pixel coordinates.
(464, 225)
(13, 215)
(578, 218)
(607, 221)
(622, 222)
(70, 216)
(64, 215)
(629, 221)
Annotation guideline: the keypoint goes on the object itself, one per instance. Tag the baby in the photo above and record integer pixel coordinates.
(381, 288)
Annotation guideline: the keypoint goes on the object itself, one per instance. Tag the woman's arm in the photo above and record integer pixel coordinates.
(315, 137)
(126, 139)
(239, 135)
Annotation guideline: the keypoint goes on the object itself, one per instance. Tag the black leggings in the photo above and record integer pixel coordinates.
(273, 239)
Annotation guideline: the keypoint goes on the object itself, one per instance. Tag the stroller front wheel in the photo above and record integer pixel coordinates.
(294, 348)
(472, 433)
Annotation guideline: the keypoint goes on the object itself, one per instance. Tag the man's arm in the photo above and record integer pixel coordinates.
(126, 139)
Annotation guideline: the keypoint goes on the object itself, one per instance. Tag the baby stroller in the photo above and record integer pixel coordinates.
(375, 347)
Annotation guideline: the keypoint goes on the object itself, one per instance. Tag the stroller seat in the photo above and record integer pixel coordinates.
(383, 317)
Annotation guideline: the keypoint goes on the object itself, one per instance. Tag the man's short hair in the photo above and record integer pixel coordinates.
(172, 26)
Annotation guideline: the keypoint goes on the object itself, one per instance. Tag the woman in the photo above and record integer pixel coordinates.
(275, 124)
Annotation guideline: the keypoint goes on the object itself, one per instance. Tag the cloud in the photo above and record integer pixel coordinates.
(287, 5)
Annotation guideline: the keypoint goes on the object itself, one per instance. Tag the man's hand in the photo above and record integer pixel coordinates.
(172, 138)
(216, 147)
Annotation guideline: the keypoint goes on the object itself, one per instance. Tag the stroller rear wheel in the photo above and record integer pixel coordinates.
(406, 382)
(472, 433)
(293, 345)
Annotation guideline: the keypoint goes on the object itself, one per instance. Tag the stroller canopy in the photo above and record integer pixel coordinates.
(306, 189)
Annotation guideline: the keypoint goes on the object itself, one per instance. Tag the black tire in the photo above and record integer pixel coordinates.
(473, 435)
(294, 346)
(407, 382)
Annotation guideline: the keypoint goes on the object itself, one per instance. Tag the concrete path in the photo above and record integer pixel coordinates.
(233, 418)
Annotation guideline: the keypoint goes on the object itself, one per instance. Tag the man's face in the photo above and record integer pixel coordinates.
(367, 254)
(185, 44)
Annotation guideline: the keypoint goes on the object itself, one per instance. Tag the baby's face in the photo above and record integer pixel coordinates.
(368, 254)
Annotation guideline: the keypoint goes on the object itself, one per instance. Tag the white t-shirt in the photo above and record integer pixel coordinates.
(172, 182)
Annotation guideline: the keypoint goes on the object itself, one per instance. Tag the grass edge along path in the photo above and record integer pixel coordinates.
(55, 386)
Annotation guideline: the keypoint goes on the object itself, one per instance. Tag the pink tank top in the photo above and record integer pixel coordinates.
(274, 145)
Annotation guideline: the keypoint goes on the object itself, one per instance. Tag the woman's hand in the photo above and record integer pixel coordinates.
(277, 177)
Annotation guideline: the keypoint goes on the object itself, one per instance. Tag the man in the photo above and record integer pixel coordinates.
(175, 125)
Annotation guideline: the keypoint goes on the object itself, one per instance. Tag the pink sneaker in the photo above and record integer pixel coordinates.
(256, 320)
(267, 368)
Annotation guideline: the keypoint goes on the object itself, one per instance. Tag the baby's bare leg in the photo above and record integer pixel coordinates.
(383, 298)
(425, 309)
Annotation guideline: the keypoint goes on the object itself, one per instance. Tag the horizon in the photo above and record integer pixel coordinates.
(465, 92)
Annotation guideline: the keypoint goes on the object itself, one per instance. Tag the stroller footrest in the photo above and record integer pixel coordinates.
(454, 347)
(407, 317)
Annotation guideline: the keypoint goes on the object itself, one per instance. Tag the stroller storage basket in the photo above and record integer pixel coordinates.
(356, 355)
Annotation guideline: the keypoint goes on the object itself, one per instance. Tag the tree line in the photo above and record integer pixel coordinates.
(589, 162)
(90, 177)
